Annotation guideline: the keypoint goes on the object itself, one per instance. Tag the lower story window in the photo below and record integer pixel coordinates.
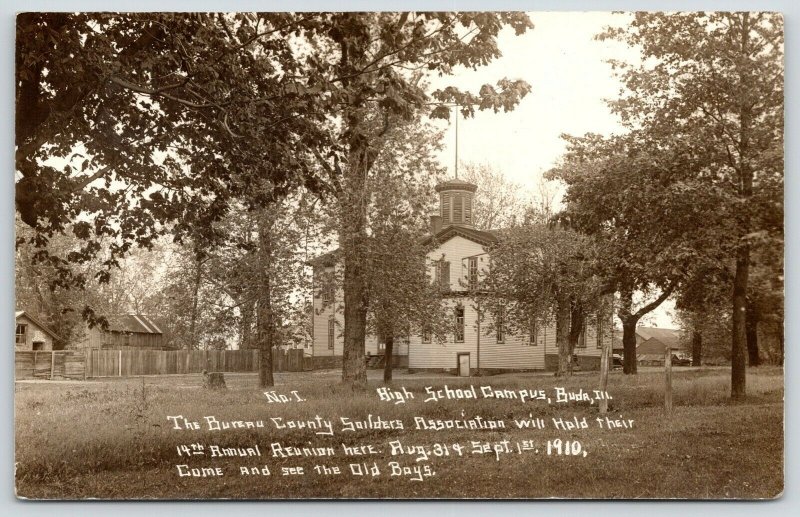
(458, 335)
(331, 332)
(533, 331)
(500, 329)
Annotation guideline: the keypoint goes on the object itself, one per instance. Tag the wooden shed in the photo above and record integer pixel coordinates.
(125, 331)
(32, 334)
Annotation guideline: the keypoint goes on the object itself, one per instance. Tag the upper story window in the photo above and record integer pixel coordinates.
(328, 293)
(22, 331)
(533, 332)
(472, 273)
(442, 275)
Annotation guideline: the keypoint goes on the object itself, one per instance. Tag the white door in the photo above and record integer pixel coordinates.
(463, 365)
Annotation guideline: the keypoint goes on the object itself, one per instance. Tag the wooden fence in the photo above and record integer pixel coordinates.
(81, 364)
(46, 364)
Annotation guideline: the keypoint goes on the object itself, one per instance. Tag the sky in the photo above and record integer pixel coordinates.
(570, 83)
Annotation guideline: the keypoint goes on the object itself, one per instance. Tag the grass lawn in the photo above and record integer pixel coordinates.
(112, 439)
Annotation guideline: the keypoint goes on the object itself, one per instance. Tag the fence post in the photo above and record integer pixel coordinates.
(52, 363)
(668, 378)
(119, 363)
(604, 375)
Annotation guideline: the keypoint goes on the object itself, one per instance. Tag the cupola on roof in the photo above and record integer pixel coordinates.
(455, 202)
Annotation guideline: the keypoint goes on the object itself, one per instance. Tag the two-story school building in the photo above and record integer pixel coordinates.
(457, 258)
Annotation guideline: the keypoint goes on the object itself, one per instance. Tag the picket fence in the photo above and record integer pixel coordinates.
(82, 364)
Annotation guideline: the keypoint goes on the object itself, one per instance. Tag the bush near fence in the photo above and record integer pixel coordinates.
(81, 364)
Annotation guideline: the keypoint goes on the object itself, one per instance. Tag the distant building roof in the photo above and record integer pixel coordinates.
(669, 337)
(38, 323)
(139, 323)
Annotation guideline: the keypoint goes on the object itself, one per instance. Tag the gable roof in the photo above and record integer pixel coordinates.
(38, 323)
(326, 259)
(669, 337)
(448, 232)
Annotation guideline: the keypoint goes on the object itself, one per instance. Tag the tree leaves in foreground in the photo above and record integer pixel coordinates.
(540, 273)
(374, 66)
(710, 87)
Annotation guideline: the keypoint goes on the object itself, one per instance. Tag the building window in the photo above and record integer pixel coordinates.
(331, 332)
(472, 272)
(500, 327)
(442, 275)
(446, 208)
(533, 331)
(426, 334)
(22, 330)
(582, 337)
(468, 208)
(328, 293)
(599, 332)
(458, 335)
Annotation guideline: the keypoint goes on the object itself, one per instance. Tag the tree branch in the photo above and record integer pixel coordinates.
(658, 301)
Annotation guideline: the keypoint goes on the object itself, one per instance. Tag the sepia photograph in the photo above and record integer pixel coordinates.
(478, 255)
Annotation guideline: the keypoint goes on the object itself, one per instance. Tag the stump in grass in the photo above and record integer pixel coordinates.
(213, 380)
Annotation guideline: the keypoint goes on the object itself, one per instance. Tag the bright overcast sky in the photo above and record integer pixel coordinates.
(570, 80)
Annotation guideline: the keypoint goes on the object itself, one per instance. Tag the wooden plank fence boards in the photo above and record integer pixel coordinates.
(80, 364)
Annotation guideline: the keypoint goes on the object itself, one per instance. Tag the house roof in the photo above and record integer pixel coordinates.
(139, 323)
(669, 337)
(479, 236)
(38, 323)
(326, 259)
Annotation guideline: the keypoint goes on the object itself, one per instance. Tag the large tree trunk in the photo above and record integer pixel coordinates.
(629, 344)
(740, 279)
(264, 316)
(562, 338)
(697, 348)
(353, 238)
(354, 200)
(751, 334)
(198, 276)
(629, 321)
(246, 326)
(577, 318)
(739, 340)
(387, 359)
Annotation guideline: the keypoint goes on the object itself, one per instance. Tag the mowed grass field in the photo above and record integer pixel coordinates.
(112, 439)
